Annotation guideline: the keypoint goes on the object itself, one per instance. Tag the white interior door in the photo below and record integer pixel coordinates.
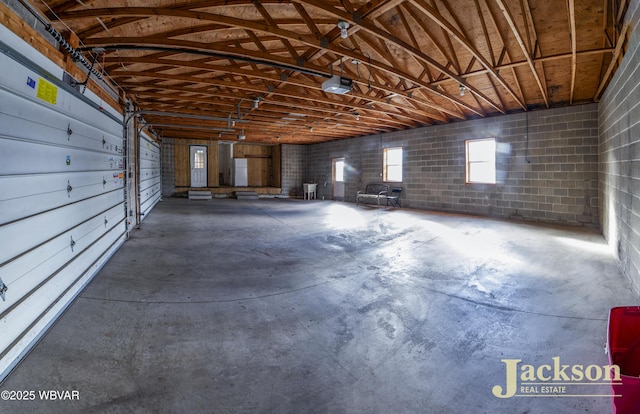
(338, 179)
(198, 166)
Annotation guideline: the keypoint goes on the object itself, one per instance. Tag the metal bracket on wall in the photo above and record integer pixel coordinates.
(72, 243)
(3, 289)
(69, 132)
(69, 188)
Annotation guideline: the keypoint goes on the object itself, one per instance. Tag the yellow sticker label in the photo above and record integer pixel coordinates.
(47, 91)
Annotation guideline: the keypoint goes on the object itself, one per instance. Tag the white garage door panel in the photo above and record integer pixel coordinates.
(15, 78)
(29, 233)
(149, 177)
(55, 187)
(149, 165)
(146, 164)
(22, 157)
(52, 127)
(149, 154)
(33, 195)
(34, 314)
(149, 149)
(28, 271)
(152, 196)
(152, 182)
(149, 192)
(148, 188)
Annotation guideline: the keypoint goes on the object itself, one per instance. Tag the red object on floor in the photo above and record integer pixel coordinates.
(623, 347)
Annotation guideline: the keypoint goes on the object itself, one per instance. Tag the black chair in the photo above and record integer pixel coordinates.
(393, 199)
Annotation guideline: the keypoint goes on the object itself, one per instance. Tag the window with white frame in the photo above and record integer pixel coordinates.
(392, 165)
(198, 159)
(481, 161)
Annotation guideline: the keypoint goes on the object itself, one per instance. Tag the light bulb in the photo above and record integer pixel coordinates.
(343, 26)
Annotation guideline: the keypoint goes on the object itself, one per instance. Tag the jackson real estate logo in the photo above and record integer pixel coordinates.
(555, 379)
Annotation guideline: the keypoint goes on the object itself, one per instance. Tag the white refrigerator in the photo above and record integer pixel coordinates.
(240, 175)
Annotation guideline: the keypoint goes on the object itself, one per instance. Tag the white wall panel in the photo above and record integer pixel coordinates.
(62, 195)
(150, 184)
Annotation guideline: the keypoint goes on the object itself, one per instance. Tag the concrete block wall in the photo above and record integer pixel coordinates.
(293, 168)
(547, 161)
(362, 160)
(168, 167)
(620, 156)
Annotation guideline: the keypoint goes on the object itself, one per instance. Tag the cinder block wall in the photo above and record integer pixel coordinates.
(620, 156)
(168, 167)
(547, 161)
(293, 167)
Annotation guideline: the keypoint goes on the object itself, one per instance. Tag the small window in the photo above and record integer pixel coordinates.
(392, 168)
(198, 161)
(481, 161)
(340, 170)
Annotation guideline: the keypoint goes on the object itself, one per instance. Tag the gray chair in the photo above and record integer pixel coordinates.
(393, 199)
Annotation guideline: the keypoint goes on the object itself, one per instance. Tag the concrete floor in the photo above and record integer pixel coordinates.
(290, 306)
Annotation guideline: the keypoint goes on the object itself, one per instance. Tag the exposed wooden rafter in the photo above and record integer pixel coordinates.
(510, 20)
(407, 60)
(574, 47)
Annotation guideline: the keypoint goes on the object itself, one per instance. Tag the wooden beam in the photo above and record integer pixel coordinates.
(455, 60)
(485, 32)
(614, 61)
(622, 7)
(252, 25)
(253, 89)
(377, 32)
(425, 29)
(267, 76)
(463, 40)
(574, 41)
(381, 8)
(272, 23)
(523, 47)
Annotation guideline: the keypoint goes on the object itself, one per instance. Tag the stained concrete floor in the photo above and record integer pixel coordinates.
(290, 306)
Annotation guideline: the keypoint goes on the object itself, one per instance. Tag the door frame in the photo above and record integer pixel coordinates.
(334, 161)
(192, 149)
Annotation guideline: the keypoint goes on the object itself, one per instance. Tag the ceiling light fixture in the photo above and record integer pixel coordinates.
(241, 136)
(343, 26)
(357, 115)
(256, 102)
(462, 89)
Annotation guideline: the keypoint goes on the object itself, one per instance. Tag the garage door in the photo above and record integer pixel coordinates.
(150, 188)
(62, 208)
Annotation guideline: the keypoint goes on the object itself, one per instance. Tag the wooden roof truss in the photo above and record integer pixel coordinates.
(261, 63)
